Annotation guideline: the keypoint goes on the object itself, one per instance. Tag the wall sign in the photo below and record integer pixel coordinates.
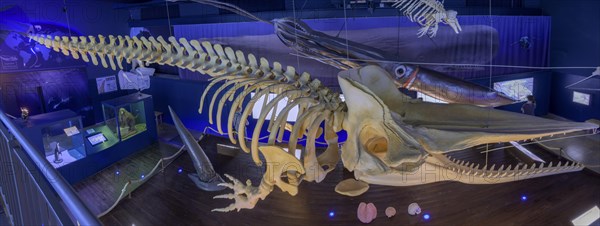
(106, 84)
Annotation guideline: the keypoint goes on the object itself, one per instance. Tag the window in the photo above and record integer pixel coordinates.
(292, 114)
(581, 98)
(517, 89)
(291, 117)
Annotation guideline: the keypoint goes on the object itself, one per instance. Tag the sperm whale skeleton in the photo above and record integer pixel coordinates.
(392, 139)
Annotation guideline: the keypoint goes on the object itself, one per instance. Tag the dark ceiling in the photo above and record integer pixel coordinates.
(152, 12)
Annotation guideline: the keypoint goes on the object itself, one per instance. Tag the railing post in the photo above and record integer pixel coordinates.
(16, 187)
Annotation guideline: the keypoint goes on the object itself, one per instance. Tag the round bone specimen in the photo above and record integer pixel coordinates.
(351, 187)
(390, 212)
(414, 209)
(366, 212)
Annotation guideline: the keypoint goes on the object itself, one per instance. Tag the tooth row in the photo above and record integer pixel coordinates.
(469, 169)
(593, 131)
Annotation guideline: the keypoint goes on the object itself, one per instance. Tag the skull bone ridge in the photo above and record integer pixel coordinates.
(376, 142)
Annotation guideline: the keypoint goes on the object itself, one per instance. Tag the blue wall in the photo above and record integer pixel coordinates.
(183, 96)
(575, 41)
(87, 18)
(562, 99)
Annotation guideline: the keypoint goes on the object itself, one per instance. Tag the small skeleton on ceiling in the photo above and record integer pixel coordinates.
(428, 14)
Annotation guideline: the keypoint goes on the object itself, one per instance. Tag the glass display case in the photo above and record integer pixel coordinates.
(79, 152)
(58, 135)
(125, 117)
(63, 142)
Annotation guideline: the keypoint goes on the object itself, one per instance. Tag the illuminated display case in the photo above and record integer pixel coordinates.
(125, 117)
(59, 135)
(63, 142)
(112, 139)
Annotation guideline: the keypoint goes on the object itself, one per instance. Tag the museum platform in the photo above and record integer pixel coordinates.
(170, 196)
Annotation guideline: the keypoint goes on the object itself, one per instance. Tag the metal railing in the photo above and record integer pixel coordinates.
(33, 192)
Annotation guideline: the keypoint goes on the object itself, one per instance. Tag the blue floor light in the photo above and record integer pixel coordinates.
(523, 198)
(143, 176)
(331, 214)
(426, 216)
(117, 172)
(180, 170)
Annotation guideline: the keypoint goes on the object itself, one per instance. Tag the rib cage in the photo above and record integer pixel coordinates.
(236, 69)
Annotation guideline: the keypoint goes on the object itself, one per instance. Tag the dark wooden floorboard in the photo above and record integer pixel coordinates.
(172, 199)
(101, 190)
(584, 149)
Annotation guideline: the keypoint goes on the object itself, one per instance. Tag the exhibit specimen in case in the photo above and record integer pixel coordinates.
(125, 119)
(63, 142)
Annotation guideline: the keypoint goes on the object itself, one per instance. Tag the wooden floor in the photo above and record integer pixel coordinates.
(584, 149)
(100, 191)
(171, 198)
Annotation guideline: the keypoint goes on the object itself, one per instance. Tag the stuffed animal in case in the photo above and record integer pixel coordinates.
(126, 119)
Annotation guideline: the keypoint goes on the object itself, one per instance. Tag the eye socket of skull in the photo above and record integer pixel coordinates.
(373, 141)
(400, 71)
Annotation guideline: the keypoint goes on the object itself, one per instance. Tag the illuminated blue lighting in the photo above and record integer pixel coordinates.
(426, 216)
(118, 172)
(523, 198)
(143, 176)
(180, 170)
(331, 214)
